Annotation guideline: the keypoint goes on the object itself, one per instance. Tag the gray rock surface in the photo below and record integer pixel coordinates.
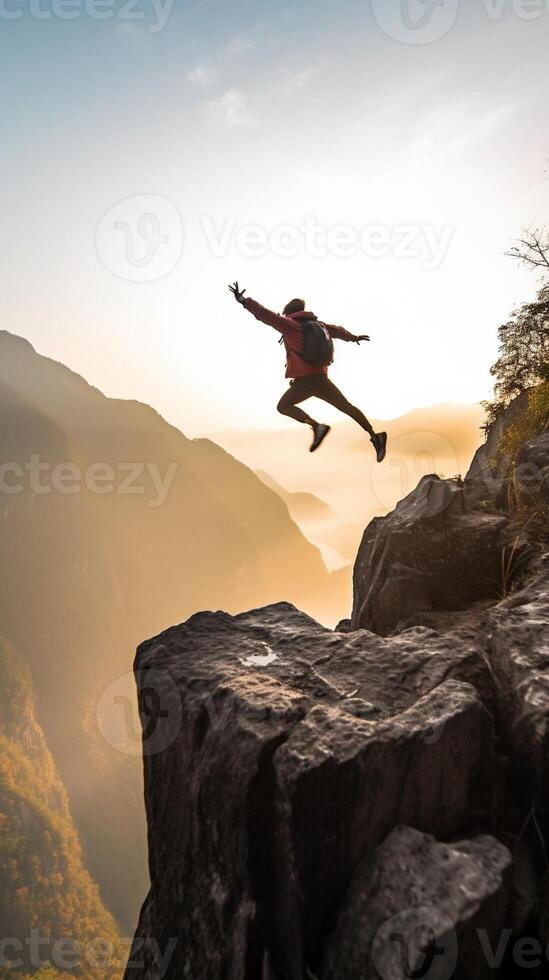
(532, 471)
(451, 543)
(487, 482)
(429, 553)
(353, 779)
(519, 658)
(415, 906)
(277, 754)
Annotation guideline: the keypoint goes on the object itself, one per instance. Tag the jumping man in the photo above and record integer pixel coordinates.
(310, 351)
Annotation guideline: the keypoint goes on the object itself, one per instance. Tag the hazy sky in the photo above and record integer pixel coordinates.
(374, 157)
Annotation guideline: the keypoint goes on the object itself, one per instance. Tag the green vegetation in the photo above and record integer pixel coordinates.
(527, 504)
(523, 362)
(46, 891)
(521, 375)
(533, 419)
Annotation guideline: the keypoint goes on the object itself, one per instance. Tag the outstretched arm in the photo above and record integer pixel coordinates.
(339, 333)
(284, 324)
(280, 323)
(276, 320)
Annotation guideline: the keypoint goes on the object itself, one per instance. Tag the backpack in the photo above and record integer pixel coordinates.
(318, 346)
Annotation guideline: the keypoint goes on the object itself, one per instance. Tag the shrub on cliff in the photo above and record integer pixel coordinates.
(523, 361)
(532, 420)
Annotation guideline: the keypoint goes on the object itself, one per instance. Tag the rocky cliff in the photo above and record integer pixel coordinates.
(369, 802)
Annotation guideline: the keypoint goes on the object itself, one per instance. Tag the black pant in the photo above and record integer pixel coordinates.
(318, 386)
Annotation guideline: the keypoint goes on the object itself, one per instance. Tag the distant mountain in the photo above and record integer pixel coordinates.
(302, 506)
(113, 524)
(440, 439)
(457, 425)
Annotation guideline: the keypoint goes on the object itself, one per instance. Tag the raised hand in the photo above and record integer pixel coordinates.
(363, 336)
(237, 293)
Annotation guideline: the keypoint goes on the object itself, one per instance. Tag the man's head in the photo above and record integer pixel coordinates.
(294, 306)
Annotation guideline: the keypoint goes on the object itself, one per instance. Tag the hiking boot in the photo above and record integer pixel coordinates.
(320, 431)
(379, 440)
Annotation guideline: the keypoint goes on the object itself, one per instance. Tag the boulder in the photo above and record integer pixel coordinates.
(519, 658)
(429, 553)
(353, 780)
(532, 469)
(415, 908)
(277, 754)
(490, 474)
(494, 476)
(344, 626)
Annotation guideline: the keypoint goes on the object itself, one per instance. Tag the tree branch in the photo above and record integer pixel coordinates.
(532, 249)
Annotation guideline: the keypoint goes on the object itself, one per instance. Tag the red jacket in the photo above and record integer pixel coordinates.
(292, 333)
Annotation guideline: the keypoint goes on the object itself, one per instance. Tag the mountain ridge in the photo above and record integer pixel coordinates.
(103, 569)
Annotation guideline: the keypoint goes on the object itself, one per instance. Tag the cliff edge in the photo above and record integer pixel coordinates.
(372, 801)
